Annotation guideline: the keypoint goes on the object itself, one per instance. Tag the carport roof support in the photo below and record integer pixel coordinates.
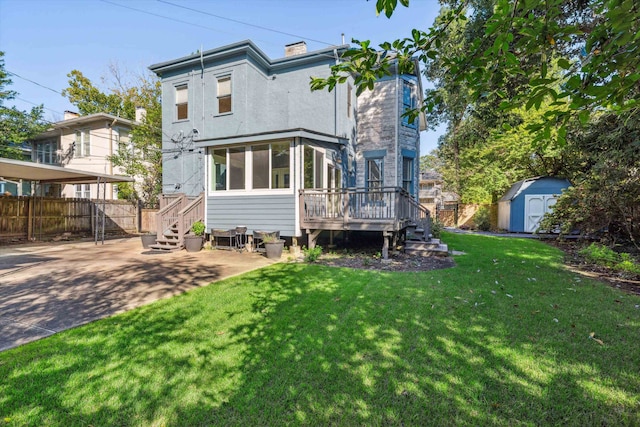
(17, 169)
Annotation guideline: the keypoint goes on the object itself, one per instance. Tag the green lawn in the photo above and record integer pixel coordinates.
(502, 339)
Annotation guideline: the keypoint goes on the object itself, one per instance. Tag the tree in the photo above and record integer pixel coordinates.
(143, 159)
(16, 126)
(594, 42)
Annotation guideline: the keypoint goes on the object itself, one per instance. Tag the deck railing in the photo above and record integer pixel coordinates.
(180, 211)
(350, 208)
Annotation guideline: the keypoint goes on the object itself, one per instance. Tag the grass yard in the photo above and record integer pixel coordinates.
(504, 338)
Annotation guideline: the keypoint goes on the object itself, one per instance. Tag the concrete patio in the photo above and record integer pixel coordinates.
(47, 288)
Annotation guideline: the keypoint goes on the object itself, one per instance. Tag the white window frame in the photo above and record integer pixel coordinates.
(178, 88)
(249, 171)
(229, 95)
(82, 143)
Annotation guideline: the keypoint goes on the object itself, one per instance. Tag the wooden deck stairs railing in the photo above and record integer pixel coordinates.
(390, 210)
(175, 218)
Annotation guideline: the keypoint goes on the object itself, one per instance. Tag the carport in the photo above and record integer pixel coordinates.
(45, 174)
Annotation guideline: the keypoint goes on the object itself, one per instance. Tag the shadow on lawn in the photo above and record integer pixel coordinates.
(388, 349)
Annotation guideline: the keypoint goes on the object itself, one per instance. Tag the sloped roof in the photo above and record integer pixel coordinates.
(17, 169)
(520, 186)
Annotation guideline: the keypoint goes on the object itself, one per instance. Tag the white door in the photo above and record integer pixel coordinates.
(535, 206)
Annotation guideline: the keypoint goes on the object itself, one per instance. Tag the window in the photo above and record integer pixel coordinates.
(407, 174)
(374, 173)
(82, 143)
(219, 172)
(236, 168)
(260, 166)
(224, 95)
(280, 172)
(408, 103)
(182, 102)
(270, 167)
(83, 191)
(123, 142)
(313, 168)
(45, 152)
(427, 186)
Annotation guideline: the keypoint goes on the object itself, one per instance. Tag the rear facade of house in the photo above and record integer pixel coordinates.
(246, 134)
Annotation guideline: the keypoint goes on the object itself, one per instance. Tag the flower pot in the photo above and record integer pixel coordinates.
(148, 240)
(274, 249)
(193, 243)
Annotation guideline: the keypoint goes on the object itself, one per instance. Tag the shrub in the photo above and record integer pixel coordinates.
(197, 228)
(436, 228)
(482, 219)
(607, 257)
(312, 255)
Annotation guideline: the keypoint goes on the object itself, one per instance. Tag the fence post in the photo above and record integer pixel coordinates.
(30, 219)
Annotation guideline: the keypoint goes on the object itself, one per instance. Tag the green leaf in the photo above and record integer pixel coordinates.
(564, 64)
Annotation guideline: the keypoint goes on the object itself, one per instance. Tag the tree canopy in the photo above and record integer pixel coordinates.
(527, 88)
(16, 126)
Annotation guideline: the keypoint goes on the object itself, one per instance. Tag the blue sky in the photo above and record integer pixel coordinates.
(44, 40)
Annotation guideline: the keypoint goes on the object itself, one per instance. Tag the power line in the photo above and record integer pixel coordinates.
(164, 17)
(35, 83)
(245, 23)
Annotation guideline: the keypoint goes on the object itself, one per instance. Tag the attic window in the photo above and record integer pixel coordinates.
(224, 95)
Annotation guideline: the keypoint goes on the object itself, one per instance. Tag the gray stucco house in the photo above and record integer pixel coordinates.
(245, 135)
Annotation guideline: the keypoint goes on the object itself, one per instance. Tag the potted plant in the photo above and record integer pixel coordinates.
(273, 245)
(193, 242)
(148, 239)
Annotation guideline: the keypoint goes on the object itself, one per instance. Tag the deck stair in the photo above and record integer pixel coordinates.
(420, 241)
(170, 240)
(430, 247)
(174, 220)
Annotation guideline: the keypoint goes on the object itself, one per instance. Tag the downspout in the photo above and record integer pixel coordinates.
(397, 120)
(335, 99)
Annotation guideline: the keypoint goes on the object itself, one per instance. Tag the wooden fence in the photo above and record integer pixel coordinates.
(37, 218)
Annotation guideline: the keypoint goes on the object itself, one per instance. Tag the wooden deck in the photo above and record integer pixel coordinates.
(389, 210)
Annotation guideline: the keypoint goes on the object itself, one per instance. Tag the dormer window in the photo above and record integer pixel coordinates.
(224, 94)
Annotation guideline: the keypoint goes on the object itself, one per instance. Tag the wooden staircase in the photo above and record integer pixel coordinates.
(170, 240)
(420, 242)
(174, 220)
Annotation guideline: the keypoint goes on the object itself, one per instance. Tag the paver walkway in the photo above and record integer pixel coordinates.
(49, 288)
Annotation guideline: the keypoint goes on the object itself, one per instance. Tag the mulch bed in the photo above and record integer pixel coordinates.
(620, 280)
(369, 260)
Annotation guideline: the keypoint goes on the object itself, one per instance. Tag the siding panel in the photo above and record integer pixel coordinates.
(269, 213)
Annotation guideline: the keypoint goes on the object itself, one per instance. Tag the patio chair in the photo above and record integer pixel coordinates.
(226, 236)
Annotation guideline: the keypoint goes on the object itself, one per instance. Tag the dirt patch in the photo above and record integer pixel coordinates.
(365, 260)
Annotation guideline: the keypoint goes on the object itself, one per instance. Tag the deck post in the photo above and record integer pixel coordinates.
(385, 245)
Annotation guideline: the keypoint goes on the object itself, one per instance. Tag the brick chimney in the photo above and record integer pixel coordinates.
(297, 48)
(68, 115)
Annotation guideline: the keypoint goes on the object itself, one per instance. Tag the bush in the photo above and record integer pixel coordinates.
(197, 228)
(312, 255)
(436, 228)
(607, 257)
(482, 219)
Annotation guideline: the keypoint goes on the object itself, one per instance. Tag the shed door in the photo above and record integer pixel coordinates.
(535, 206)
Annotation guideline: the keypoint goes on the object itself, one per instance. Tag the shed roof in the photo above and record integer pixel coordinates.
(516, 189)
(17, 169)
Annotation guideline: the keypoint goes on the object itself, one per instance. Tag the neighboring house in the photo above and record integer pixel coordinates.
(82, 143)
(431, 193)
(267, 153)
(522, 207)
